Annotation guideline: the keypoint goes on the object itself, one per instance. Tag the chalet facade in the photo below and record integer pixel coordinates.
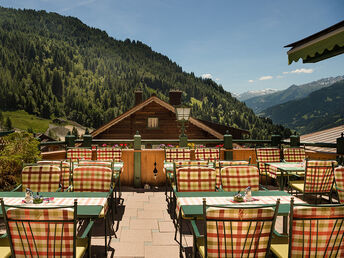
(156, 119)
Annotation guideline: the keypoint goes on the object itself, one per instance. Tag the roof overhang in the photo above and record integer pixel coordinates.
(319, 46)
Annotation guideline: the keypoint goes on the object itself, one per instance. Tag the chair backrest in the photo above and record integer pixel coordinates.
(240, 231)
(210, 154)
(175, 154)
(41, 232)
(225, 163)
(319, 176)
(95, 163)
(316, 231)
(75, 154)
(339, 178)
(41, 178)
(92, 179)
(238, 178)
(65, 170)
(265, 155)
(294, 154)
(109, 154)
(190, 163)
(195, 179)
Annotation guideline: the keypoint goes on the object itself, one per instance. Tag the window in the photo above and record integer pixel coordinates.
(153, 122)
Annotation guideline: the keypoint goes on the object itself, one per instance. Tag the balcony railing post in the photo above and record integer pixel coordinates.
(87, 140)
(70, 141)
(340, 145)
(294, 141)
(137, 159)
(228, 145)
(275, 140)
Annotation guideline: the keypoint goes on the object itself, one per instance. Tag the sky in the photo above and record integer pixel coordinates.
(238, 44)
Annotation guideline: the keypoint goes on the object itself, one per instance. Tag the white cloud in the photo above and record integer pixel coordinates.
(250, 81)
(302, 70)
(207, 76)
(263, 78)
(279, 76)
(217, 79)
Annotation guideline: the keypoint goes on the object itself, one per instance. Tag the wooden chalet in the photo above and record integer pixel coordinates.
(156, 119)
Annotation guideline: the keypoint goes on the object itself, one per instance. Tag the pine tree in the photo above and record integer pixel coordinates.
(8, 124)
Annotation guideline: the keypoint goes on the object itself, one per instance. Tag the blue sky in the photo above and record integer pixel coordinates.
(239, 44)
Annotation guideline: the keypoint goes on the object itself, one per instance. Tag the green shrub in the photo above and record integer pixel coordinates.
(20, 148)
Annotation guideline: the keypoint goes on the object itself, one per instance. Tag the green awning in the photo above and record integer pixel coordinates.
(324, 44)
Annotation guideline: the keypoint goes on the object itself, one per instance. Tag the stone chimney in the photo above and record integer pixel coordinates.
(175, 97)
(138, 97)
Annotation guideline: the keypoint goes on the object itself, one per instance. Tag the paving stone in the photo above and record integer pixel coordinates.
(166, 226)
(130, 212)
(134, 204)
(143, 224)
(161, 251)
(126, 249)
(150, 214)
(137, 235)
(163, 238)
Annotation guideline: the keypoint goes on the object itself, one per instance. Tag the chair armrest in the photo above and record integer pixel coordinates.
(17, 188)
(4, 236)
(59, 189)
(87, 229)
(69, 189)
(263, 188)
(219, 189)
(340, 189)
(194, 228)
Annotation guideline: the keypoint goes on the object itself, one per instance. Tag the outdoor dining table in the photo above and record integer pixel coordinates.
(190, 204)
(287, 169)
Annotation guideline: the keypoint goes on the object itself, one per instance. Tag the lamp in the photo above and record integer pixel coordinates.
(183, 114)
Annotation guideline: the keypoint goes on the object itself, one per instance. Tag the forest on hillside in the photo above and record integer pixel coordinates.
(56, 66)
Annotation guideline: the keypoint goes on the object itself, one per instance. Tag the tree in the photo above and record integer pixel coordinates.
(75, 132)
(8, 124)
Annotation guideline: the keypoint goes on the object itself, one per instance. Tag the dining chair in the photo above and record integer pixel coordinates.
(65, 171)
(294, 154)
(268, 155)
(235, 230)
(45, 231)
(238, 178)
(339, 179)
(210, 154)
(219, 164)
(314, 231)
(109, 154)
(41, 178)
(79, 153)
(319, 179)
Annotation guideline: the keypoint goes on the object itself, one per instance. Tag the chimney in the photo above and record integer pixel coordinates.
(175, 97)
(138, 97)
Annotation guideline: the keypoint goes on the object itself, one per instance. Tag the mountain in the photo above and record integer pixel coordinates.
(254, 93)
(56, 66)
(320, 110)
(294, 92)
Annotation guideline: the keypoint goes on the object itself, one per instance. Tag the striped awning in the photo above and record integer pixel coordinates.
(319, 46)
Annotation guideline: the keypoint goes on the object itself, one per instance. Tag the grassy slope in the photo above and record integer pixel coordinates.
(22, 120)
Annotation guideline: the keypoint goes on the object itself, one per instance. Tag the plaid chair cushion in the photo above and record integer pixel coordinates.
(65, 173)
(42, 238)
(317, 231)
(319, 176)
(109, 154)
(267, 155)
(210, 154)
(190, 163)
(238, 232)
(294, 154)
(41, 178)
(237, 178)
(196, 179)
(94, 163)
(75, 154)
(92, 179)
(225, 163)
(177, 154)
(339, 176)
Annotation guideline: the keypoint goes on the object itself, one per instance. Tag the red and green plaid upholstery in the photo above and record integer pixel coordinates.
(177, 154)
(92, 179)
(225, 163)
(94, 163)
(339, 176)
(109, 154)
(41, 231)
(196, 179)
(42, 178)
(319, 176)
(76, 154)
(237, 178)
(267, 155)
(65, 173)
(238, 232)
(210, 154)
(317, 232)
(294, 154)
(190, 163)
